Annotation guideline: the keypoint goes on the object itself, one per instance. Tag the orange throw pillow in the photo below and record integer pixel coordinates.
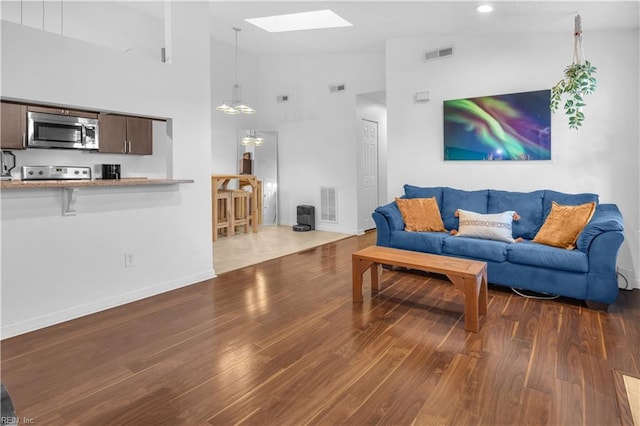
(564, 224)
(420, 214)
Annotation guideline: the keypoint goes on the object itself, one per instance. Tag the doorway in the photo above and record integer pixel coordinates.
(369, 173)
(371, 151)
(259, 148)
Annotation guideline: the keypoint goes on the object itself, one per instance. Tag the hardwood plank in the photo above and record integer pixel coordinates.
(497, 384)
(527, 319)
(445, 399)
(544, 353)
(568, 405)
(282, 343)
(600, 406)
(568, 365)
(535, 408)
(618, 336)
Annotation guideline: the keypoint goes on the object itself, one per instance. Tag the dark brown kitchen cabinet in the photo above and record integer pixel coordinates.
(13, 126)
(123, 134)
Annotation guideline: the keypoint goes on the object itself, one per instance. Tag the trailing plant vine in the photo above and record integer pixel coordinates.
(578, 81)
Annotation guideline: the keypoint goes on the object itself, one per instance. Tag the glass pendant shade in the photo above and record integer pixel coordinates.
(252, 139)
(236, 105)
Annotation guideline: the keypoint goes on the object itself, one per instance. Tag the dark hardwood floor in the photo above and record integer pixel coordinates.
(282, 343)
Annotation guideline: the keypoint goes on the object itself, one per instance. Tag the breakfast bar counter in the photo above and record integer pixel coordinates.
(70, 188)
(20, 184)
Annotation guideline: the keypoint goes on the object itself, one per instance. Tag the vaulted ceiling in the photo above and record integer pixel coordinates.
(375, 21)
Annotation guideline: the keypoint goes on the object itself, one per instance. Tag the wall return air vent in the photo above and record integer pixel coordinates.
(329, 204)
(438, 53)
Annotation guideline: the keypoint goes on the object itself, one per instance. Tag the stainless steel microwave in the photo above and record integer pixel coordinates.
(61, 131)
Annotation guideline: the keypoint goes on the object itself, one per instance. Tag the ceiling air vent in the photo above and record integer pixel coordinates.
(438, 53)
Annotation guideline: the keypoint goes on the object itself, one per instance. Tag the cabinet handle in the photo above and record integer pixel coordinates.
(129, 147)
(124, 149)
(24, 139)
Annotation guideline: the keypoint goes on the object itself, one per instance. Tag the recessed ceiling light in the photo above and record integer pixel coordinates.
(300, 21)
(484, 8)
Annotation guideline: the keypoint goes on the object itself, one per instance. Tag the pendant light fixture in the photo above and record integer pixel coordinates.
(252, 139)
(235, 105)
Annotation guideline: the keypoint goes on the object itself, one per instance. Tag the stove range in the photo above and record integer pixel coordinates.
(56, 173)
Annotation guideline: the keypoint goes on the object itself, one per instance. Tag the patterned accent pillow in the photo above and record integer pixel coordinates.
(420, 214)
(493, 226)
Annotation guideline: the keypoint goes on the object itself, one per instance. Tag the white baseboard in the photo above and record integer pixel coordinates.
(32, 324)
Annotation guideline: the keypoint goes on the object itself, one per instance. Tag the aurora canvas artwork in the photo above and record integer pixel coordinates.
(515, 126)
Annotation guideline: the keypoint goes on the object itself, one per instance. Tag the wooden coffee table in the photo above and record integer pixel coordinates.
(469, 276)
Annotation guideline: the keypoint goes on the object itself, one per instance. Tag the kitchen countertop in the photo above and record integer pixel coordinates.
(19, 184)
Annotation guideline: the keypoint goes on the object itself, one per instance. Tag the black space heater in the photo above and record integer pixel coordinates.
(306, 219)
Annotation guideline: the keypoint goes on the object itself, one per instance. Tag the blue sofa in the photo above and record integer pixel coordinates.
(587, 273)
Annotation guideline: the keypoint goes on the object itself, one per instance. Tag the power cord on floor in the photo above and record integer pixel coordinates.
(626, 286)
(536, 296)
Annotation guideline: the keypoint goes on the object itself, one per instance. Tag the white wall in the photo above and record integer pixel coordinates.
(317, 130)
(55, 268)
(601, 157)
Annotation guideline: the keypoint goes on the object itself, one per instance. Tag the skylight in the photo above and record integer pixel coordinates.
(300, 21)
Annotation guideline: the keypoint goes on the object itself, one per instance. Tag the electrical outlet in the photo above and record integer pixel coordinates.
(129, 260)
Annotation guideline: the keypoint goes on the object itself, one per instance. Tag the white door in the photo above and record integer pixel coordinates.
(369, 189)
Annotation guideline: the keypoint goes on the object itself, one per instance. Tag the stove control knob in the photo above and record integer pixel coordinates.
(31, 172)
(77, 172)
(40, 172)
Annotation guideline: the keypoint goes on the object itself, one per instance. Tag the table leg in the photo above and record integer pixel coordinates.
(483, 297)
(471, 302)
(356, 279)
(469, 287)
(375, 276)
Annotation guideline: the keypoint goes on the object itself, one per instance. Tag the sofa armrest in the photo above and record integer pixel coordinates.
(392, 214)
(600, 240)
(387, 218)
(602, 282)
(383, 232)
(606, 218)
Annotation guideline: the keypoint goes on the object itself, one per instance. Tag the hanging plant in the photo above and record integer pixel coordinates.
(578, 81)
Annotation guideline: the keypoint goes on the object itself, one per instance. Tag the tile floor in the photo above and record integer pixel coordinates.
(269, 242)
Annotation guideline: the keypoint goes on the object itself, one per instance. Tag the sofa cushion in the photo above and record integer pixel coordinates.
(475, 248)
(426, 242)
(392, 214)
(540, 255)
(420, 214)
(565, 199)
(563, 225)
(411, 191)
(491, 226)
(454, 199)
(528, 205)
